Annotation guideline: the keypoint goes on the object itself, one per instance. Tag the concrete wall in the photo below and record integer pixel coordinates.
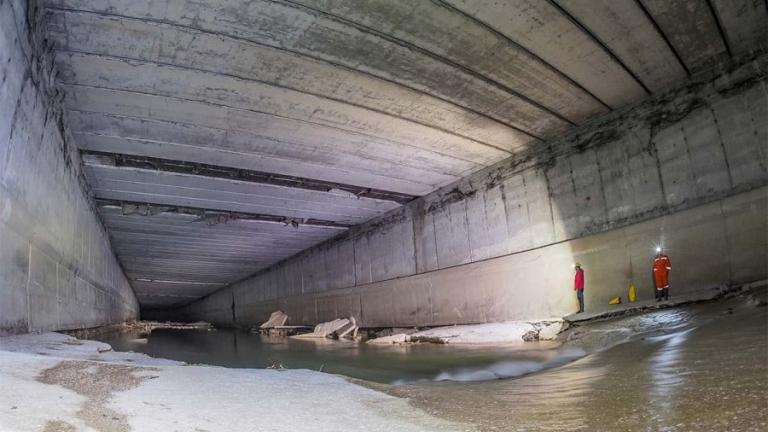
(686, 169)
(57, 269)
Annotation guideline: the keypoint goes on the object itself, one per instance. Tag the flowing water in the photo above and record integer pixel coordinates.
(697, 368)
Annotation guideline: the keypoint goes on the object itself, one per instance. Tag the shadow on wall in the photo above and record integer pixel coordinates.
(687, 171)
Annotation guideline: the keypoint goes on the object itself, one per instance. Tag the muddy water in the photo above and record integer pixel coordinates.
(700, 368)
(697, 368)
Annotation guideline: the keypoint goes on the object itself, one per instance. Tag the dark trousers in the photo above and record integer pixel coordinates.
(580, 296)
(662, 293)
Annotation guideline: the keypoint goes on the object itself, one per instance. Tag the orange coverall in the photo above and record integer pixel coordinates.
(661, 267)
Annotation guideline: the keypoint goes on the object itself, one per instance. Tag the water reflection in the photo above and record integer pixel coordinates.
(665, 367)
(698, 368)
(703, 368)
(385, 364)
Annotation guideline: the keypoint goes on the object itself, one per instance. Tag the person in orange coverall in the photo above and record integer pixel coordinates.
(661, 267)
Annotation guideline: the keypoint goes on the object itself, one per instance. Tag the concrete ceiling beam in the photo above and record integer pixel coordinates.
(630, 34)
(459, 39)
(291, 150)
(161, 43)
(307, 33)
(691, 28)
(743, 23)
(541, 28)
(360, 196)
(194, 85)
(211, 216)
(216, 194)
(173, 222)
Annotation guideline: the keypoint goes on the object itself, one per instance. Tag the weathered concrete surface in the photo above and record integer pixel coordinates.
(536, 284)
(640, 47)
(394, 95)
(686, 170)
(541, 28)
(146, 185)
(743, 24)
(173, 259)
(57, 269)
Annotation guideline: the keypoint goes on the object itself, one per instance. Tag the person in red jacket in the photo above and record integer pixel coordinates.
(578, 285)
(661, 267)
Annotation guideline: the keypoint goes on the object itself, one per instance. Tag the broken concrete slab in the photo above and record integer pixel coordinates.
(276, 319)
(489, 333)
(336, 329)
(350, 331)
(395, 339)
(550, 330)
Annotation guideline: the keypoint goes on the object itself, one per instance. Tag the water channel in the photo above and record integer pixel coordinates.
(698, 367)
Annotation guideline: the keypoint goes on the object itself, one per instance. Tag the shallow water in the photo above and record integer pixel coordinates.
(383, 364)
(697, 368)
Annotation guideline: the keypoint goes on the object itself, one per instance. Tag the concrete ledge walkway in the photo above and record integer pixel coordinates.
(611, 311)
(642, 306)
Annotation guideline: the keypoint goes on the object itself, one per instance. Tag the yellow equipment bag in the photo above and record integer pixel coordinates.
(615, 300)
(632, 293)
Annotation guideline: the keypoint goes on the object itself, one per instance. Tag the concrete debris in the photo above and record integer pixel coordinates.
(276, 319)
(273, 364)
(549, 331)
(491, 333)
(503, 332)
(396, 339)
(283, 331)
(350, 331)
(545, 330)
(336, 329)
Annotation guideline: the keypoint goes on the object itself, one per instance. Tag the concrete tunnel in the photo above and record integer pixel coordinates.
(406, 163)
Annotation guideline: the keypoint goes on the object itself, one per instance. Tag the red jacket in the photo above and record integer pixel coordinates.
(578, 280)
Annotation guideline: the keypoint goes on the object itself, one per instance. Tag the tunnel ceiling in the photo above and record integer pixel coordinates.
(222, 136)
